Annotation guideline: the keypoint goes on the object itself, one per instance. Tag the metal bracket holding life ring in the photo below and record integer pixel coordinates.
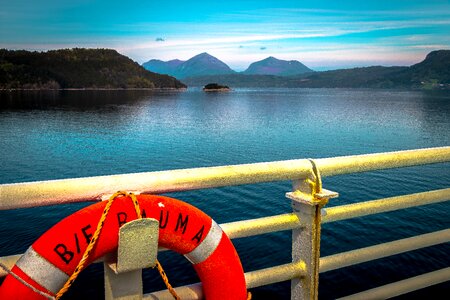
(183, 228)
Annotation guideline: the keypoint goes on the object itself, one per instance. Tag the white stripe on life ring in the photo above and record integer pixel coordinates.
(207, 246)
(42, 271)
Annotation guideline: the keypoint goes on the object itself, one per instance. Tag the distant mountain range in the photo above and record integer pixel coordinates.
(205, 64)
(431, 73)
(77, 68)
(199, 65)
(106, 68)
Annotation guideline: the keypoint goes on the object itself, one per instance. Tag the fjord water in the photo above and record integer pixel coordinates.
(53, 135)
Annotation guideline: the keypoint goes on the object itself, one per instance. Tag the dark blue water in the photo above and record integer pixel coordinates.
(86, 133)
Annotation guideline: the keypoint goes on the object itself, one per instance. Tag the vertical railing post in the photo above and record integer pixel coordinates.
(308, 198)
(137, 249)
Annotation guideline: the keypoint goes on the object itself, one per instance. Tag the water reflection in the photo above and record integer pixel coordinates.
(79, 100)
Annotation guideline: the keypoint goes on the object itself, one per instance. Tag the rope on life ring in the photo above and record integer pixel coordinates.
(49, 263)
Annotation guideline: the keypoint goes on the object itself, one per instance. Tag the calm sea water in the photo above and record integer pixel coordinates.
(86, 133)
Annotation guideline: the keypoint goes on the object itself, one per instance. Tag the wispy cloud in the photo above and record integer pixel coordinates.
(276, 34)
(293, 14)
(204, 34)
(431, 46)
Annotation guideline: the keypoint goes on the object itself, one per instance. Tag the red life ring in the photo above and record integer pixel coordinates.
(49, 262)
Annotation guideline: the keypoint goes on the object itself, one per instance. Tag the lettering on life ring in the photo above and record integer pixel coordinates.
(50, 261)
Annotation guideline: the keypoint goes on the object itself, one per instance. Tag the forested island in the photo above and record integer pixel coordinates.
(77, 68)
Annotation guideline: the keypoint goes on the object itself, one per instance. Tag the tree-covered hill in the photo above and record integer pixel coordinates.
(76, 68)
(435, 68)
(367, 77)
(432, 72)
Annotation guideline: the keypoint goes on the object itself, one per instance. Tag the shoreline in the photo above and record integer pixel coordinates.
(96, 89)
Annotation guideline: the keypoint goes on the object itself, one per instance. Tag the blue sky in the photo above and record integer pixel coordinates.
(326, 34)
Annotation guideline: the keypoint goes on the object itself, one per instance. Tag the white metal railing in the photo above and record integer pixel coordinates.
(305, 221)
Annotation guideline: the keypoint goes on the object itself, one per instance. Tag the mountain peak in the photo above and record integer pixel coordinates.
(203, 54)
(435, 66)
(203, 64)
(437, 54)
(274, 66)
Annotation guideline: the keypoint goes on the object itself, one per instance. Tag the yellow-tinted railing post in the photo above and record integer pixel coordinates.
(308, 198)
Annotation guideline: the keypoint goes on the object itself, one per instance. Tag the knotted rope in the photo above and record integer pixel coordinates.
(95, 237)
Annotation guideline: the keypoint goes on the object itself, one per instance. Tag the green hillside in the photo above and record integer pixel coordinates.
(76, 68)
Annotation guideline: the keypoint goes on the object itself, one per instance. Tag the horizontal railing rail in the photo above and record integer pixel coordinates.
(367, 208)
(289, 221)
(403, 286)
(233, 230)
(344, 259)
(253, 279)
(353, 257)
(32, 194)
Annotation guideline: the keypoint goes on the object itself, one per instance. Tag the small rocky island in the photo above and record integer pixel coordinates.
(214, 87)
